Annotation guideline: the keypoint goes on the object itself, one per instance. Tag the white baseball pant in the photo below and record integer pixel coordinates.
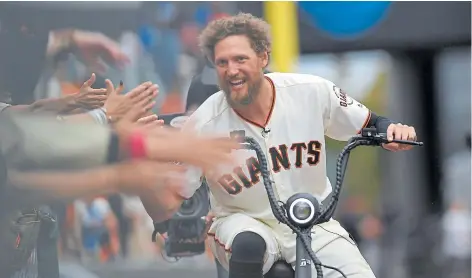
(330, 241)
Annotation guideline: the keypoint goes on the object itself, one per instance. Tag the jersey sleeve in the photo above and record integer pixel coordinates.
(343, 116)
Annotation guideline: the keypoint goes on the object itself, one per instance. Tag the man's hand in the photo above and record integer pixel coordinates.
(168, 144)
(207, 153)
(399, 132)
(144, 176)
(89, 98)
(86, 99)
(92, 48)
(140, 98)
(151, 121)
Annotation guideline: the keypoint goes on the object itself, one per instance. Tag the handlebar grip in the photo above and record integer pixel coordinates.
(383, 136)
(406, 142)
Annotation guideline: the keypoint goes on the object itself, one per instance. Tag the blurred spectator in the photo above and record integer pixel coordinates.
(352, 213)
(141, 226)
(96, 221)
(50, 47)
(204, 13)
(160, 35)
(370, 229)
(456, 221)
(208, 11)
(124, 222)
(457, 176)
(456, 241)
(364, 228)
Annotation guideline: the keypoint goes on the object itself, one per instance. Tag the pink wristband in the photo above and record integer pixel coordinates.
(137, 146)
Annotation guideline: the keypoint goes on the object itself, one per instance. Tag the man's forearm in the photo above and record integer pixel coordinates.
(61, 105)
(36, 141)
(36, 188)
(160, 207)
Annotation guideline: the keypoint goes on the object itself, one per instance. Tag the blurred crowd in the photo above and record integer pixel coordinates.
(77, 78)
(164, 50)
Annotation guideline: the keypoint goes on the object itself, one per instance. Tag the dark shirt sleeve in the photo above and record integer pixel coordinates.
(23, 57)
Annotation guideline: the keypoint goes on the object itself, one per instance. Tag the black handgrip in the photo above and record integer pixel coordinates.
(381, 138)
(405, 142)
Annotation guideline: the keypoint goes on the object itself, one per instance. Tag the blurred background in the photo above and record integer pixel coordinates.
(410, 61)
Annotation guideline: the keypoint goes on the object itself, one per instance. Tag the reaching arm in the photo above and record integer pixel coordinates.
(97, 115)
(161, 207)
(61, 105)
(36, 141)
(36, 188)
(163, 203)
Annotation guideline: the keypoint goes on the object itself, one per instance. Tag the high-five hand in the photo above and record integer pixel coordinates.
(139, 99)
(89, 98)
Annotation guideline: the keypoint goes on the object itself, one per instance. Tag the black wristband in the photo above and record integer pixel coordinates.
(113, 149)
(380, 123)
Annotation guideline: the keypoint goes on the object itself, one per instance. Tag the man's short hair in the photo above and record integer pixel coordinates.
(256, 29)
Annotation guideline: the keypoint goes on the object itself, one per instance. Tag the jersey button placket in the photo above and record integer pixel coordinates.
(266, 137)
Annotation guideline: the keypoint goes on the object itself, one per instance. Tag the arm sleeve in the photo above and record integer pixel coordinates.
(343, 116)
(37, 141)
(22, 55)
(99, 115)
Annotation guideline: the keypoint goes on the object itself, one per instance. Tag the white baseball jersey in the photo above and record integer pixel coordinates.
(304, 110)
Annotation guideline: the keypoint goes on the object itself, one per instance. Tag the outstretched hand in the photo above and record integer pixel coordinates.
(89, 98)
(151, 121)
(132, 105)
(139, 176)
